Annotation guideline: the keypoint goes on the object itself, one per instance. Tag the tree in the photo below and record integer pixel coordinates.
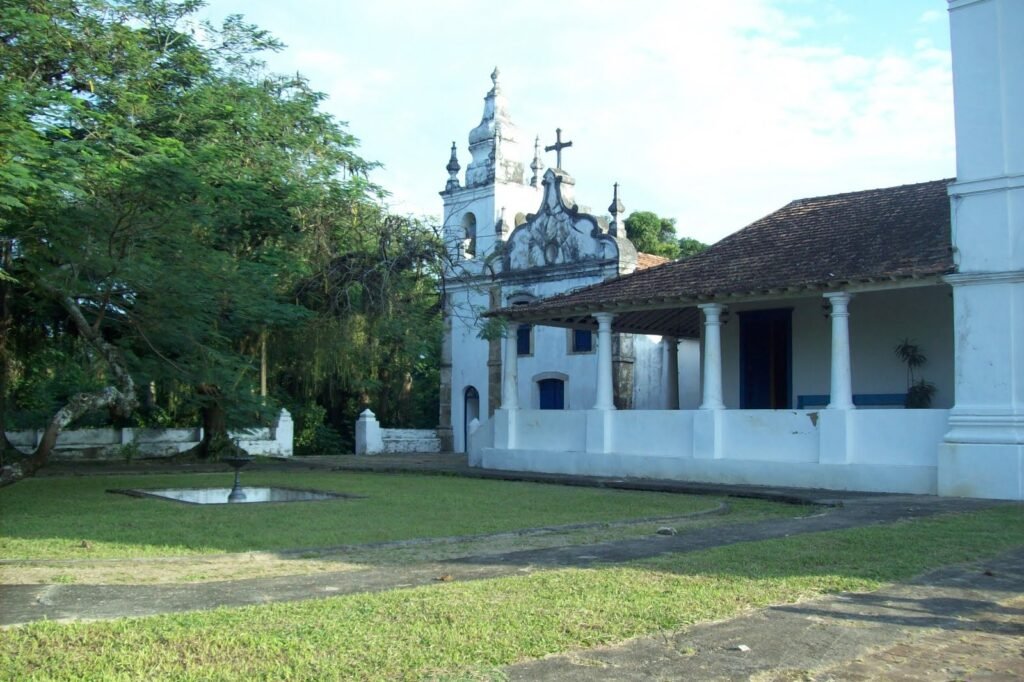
(375, 337)
(151, 213)
(653, 234)
(688, 246)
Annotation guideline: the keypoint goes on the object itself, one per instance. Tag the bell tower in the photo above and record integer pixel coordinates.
(481, 211)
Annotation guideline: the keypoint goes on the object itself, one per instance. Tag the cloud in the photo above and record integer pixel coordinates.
(712, 113)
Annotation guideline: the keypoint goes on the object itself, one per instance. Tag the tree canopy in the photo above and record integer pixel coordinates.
(171, 213)
(653, 234)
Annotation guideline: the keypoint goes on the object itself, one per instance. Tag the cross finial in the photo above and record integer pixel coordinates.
(557, 147)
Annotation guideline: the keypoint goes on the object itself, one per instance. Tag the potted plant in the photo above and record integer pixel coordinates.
(919, 391)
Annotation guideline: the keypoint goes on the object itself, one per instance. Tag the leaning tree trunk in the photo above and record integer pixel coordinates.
(119, 398)
(216, 442)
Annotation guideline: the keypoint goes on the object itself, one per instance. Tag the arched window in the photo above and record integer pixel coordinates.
(469, 235)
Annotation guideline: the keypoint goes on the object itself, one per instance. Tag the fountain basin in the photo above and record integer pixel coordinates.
(253, 494)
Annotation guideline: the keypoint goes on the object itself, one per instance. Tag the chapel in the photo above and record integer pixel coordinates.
(514, 235)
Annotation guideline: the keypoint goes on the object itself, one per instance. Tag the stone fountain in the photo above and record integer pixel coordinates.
(236, 462)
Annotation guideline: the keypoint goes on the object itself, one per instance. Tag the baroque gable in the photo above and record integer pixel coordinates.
(561, 234)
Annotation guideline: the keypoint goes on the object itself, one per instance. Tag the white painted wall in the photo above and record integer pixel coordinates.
(888, 451)
(770, 435)
(112, 443)
(907, 437)
(653, 432)
(552, 430)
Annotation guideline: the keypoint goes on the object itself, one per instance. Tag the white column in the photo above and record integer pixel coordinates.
(509, 369)
(605, 395)
(712, 356)
(841, 385)
(672, 368)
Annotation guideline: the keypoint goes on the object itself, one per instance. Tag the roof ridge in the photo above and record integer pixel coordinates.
(873, 189)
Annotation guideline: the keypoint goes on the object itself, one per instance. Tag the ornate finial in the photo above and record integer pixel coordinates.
(557, 147)
(494, 79)
(537, 165)
(499, 229)
(616, 209)
(453, 171)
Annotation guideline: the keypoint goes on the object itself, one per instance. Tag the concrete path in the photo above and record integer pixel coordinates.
(957, 623)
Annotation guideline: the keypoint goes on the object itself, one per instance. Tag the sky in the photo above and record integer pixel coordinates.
(711, 113)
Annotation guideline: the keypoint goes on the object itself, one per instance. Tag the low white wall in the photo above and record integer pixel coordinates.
(371, 439)
(410, 440)
(654, 432)
(873, 450)
(112, 443)
(909, 437)
(770, 435)
(557, 430)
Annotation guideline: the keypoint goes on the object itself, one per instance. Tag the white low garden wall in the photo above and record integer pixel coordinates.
(371, 439)
(112, 443)
(874, 450)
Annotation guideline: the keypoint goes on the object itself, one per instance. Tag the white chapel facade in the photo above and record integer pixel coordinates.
(514, 234)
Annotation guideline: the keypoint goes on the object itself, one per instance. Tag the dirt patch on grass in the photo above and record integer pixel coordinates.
(181, 570)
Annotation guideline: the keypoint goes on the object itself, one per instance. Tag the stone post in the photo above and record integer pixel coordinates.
(369, 440)
(284, 434)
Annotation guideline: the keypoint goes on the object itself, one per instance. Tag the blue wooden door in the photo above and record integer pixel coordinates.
(552, 394)
(766, 373)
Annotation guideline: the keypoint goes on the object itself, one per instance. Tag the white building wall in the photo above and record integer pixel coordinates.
(469, 357)
(983, 451)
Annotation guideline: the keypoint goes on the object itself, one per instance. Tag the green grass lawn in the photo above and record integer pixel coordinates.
(470, 629)
(74, 518)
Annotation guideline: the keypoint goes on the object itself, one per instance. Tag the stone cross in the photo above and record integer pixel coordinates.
(557, 147)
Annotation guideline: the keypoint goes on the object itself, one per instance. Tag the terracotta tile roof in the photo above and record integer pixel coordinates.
(648, 260)
(818, 243)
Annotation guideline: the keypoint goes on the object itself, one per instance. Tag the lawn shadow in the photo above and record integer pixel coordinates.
(918, 610)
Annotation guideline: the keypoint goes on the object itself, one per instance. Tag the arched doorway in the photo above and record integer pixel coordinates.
(470, 411)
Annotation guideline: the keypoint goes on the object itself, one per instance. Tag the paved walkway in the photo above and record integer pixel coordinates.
(957, 623)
